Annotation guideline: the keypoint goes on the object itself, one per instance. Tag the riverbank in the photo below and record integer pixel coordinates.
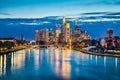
(12, 50)
(97, 53)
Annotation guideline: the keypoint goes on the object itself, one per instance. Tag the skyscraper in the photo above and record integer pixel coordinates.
(57, 33)
(67, 32)
(22, 38)
(51, 35)
(36, 35)
(110, 33)
(44, 35)
(109, 38)
(77, 32)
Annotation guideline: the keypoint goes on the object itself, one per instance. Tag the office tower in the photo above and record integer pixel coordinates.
(44, 35)
(57, 33)
(51, 35)
(67, 33)
(76, 35)
(36, 34)
(22, 38)
(110, 33)
(64, 20)
(109, 38)
(77, 30)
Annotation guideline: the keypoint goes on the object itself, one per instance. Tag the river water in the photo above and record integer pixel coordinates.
(57, 64)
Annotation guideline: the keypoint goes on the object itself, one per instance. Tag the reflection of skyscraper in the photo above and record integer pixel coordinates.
(36, 35)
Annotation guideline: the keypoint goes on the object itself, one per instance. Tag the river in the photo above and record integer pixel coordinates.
(57, 64)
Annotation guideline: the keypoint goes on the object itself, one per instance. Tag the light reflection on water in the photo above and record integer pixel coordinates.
(58, 64)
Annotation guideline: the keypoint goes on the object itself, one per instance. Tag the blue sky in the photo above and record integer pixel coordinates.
(42, 8)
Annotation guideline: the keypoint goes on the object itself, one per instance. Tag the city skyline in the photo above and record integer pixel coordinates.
(42, 8)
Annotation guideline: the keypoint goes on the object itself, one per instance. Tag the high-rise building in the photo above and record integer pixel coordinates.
(109, 38)
(57, 33)
(44, 35)
(22, 38)
(64, 20)
(77, 32)
(51, 35)
(61, 38)
(67, 32)
(36, 35)
(110, 33)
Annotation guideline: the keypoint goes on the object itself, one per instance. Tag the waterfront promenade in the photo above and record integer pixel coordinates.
(12, 50)
(112, 54)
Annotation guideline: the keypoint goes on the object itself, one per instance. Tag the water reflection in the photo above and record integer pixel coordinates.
(59, 64)
(105, 61)
(62, 65)
(116, 63)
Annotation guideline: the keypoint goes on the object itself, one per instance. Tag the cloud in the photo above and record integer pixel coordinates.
(100, 2)
(3, 13)
(30, 23)
(99, 20)
(113, 2)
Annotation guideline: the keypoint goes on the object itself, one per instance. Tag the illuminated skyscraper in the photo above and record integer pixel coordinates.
(67, 31)
(36, 35)
(110, 33)
(22, 38)
(51, 35)
(64, 20)
(76, 35)
(57, 33)
(110, 39)
(77, 30)
(44, 35)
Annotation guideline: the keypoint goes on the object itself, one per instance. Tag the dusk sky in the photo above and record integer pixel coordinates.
(42, 8)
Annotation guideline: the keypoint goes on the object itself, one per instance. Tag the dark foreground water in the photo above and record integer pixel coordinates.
(56, 64)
